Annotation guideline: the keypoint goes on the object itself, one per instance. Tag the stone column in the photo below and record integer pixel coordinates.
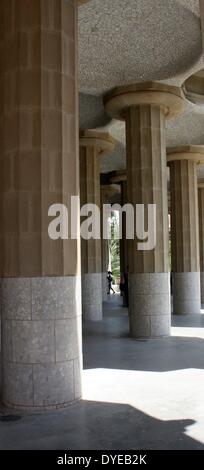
(145, 107)
(201, 235)
(184, 228)
(41, 296)
(107, 191)
(93, 145)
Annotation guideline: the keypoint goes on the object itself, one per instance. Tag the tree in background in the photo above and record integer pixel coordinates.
(114, 246)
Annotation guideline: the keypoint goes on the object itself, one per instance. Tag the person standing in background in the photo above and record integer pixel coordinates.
(110, 280)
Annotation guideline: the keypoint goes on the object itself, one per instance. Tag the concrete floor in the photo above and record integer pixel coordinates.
(136, 394)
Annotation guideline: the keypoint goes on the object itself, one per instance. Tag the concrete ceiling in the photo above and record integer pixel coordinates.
(125, 41)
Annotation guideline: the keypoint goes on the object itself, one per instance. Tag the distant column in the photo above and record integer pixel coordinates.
(183, 163)
(93, 144)
(145, 107)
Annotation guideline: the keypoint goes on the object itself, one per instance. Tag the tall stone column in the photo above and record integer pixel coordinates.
(93, 145)
(107, 191)
(184, 228)
(41, 308)
(145, 107)
(201, 235)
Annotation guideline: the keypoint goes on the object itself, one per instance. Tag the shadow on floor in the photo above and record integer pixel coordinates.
(93, 425)
(107, 344)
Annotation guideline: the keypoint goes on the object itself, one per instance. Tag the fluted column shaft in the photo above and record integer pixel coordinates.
(90, 249)
(41, 312)
(92, 145)
(144, 107)
(185, 236)
(147, 184)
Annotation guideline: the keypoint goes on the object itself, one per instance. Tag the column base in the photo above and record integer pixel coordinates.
(92, 297)
(149, 305)
(186, 293)
(104, 287)
(41, 342)
(202, 287)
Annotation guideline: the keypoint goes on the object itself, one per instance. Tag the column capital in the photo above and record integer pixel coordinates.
(170, 98)
(187, 152)
(103, 141)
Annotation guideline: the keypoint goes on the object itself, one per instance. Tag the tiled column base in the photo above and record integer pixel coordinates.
(104, 287)
(186, 293)
(149, 305)
(92, 297)
(202, 287)
(41, 342)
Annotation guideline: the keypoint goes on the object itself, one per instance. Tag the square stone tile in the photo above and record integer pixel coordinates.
(160, 325)
(140, 326)
(78, 378)
(7, 347)
(159, 283)
(54, 298)
(53, 384)
(16, 299)
(18, 385)
(68, 339)
(33, 341)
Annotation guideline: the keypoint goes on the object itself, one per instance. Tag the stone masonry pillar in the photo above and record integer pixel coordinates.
(201, 235)
(184, 228)
(93, 145)
(41, 296)
(145, 107)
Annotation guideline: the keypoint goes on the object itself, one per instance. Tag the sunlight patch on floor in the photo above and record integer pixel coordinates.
(174, 395)
(190, 332)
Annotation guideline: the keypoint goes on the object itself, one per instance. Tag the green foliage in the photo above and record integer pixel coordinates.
(115, 247)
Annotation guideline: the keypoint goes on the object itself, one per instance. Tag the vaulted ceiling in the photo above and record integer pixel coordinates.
(126, 41)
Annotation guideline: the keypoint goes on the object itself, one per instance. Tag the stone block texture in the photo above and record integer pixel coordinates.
(185, 236)
(41, 286)
(90, 194)
(149, 308)
(147, 182)
(104, 287)
(41, 342)
(92, 297)
(39, 134)
(186, 293)
(149, 295)
(91, 249)
(184, 216)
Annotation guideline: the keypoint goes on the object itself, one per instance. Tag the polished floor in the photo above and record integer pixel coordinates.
(137, 394)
